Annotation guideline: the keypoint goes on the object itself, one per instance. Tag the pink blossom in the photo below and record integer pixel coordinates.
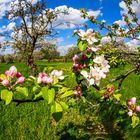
(137, 108)
(133, 100)
(49, 80)
(6, 83)
(57, 74)
(42, 74)
(20, 80)
(44, 79)
(75, 59)
(130, 113)
(129, 104)
(11, 72)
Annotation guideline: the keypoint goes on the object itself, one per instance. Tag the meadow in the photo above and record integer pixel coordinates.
(30, 121)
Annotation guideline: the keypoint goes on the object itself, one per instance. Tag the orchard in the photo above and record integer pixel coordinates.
(90, 67)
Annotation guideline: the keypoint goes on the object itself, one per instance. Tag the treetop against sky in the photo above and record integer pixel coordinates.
(110, 11)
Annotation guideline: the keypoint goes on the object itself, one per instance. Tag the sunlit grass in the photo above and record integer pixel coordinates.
(29, 121)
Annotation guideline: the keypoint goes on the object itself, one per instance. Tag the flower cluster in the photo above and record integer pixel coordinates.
(77, 65)
(109, 92)
(97, 72)
(88, 36)
(10, 75)
(44, 78)
(78, 91)
(133, 108)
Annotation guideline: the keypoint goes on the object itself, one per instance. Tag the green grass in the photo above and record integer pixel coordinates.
(30, 121)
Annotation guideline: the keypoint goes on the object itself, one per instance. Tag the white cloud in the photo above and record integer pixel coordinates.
(63, 49)
(5, 5)
(135, 7)
(73, 18)
(120, 22)
(133, 44)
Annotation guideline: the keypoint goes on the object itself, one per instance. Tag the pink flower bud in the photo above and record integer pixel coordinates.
(84, 57)
(80, 66)
(49, 80)
(137, 108)
(1, 79)
(109, 89)
(129, 104)
(75, 94)
(6, 83)
(113, 87)
(133, 100)
(20, 80)
(79, 92)
(18, 74)
(79, 88)
(112, 92)
(130, 113)
(84, 66)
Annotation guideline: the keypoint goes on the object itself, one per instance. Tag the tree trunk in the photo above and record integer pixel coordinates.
(32, 66)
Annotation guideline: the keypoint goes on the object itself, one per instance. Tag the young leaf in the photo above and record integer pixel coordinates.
(51, 95)
(38, 95)
(58, 107)
(117, 96)
(64, 105)
(62, 90)
(6, 96)
(82, 45)
(22, 90)
(67, 93)
(135, 121)
(44, 91)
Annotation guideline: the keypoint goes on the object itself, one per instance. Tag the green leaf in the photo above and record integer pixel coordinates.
(51, 95)
(62, 90)
(22, 90)
(6, 96)
(83, 99)
(82, 45)
(67, 93)
(58, 107)
(36, 89)
(135, 121)
(44, 91)
(38, 95)
(117, 96)
(64, 105)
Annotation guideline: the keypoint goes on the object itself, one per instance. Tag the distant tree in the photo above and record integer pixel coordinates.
(33, 26)
(71, 52)
(50, 52)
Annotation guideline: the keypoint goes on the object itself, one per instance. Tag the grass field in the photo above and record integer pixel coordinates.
(29, 121)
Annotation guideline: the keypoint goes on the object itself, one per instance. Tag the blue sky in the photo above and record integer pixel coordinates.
(108, 10)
